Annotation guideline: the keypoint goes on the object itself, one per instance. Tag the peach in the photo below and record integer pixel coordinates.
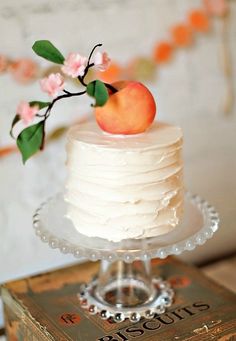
(130, 110)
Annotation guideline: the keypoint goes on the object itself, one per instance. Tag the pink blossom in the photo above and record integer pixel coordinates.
(3, 63)
(23, 70)
(216, 7)
(52, 84)
(102, 61)
(26, 112)
(74, 65)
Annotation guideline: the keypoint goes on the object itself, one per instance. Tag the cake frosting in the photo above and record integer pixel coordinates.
(124, 186)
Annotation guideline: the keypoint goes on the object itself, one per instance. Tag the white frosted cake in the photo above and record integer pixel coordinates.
(124, 186)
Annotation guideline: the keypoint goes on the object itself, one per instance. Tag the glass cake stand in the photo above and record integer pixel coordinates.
(124, 287)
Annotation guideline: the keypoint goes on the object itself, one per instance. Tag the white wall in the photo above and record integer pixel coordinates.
(189, 92)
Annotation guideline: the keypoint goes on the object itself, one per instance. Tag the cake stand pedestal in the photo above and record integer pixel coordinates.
(124, 287)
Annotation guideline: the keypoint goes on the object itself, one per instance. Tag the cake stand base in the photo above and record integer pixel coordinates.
(124, 290)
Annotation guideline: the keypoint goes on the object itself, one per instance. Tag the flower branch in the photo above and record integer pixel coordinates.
(88, 66)
(31, 139)
(66, 95)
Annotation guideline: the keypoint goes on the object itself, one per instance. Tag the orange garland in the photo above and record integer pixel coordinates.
(181, 36)
(162, 52)
(23, 70)
(199, 21)
(4, 151)
(112, 73)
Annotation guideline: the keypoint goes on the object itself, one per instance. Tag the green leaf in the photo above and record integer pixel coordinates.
(30, 140)
(15, 120)
(98, 90)
(45, 49)
(40, 104)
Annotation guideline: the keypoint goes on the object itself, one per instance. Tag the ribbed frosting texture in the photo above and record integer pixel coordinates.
(122, 186)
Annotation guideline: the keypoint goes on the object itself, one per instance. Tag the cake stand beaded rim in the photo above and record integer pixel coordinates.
(158, 304)
(210, 226)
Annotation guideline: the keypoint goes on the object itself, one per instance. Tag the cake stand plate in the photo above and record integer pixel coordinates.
(125, 287)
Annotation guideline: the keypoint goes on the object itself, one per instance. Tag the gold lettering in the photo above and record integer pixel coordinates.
(137, 331)
(204, 306)
(163, 319)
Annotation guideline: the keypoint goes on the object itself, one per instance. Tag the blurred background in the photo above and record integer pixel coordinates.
(190, 72)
